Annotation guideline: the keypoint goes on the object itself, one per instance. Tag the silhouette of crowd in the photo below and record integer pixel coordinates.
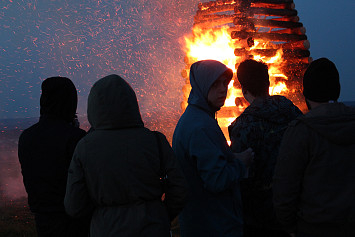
(285, 173)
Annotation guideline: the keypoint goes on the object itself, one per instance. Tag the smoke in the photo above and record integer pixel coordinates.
(87, 40)
(13, 188)
(11, 185)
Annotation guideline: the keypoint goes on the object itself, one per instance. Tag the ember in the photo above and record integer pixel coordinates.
(231, 31)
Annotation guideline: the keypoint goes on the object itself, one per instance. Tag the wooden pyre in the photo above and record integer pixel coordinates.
(273, 22)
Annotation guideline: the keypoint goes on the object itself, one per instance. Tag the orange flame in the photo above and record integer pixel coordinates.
(211, 44)
(217, 44)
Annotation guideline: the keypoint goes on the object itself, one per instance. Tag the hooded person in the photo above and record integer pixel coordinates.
(209, 166)
(117, 168)
(314, 182)
(261, 127)
(45, 151)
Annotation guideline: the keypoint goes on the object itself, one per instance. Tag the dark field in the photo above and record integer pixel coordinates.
(15, 216)
(16, 219)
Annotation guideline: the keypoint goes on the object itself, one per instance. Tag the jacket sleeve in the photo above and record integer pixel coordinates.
(77, 201)
(175, 189)
(217, 167)
(287, 183)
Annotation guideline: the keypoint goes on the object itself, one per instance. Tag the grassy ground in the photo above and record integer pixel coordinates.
(16, 220)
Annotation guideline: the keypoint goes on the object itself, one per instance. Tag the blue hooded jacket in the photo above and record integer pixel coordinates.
(212, 173)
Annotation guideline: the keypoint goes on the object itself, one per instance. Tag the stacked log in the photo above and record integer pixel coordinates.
(274, 22)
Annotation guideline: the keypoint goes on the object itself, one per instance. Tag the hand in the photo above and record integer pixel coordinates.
(246, 157)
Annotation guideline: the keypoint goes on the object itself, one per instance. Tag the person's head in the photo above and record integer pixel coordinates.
(321, 82)
(253, 77)
(217, 93)
(209, 81)
(112, 104)
(59, 98)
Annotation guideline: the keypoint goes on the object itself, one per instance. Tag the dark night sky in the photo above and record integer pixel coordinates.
(139, 40)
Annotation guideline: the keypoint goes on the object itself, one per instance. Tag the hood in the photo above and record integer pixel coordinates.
(59, 98)
(202, 76)
(275, 109)
(334, 121)
(112, 104)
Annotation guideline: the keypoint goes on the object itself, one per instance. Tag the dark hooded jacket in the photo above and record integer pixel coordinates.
(314, 183)
(261, 127)
(46, 148)
(115, 171)
(214, 205)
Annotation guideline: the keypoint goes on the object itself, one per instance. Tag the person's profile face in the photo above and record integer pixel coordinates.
(218, 92)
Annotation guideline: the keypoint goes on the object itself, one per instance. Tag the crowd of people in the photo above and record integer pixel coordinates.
(285, 173)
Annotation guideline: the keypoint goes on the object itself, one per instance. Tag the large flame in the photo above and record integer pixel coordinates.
(211, 44)
(217, 44)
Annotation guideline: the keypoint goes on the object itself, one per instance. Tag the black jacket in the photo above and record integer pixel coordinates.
(45, 151)
(46, 148)
(261, 127)
(314, 183)
(115, 170)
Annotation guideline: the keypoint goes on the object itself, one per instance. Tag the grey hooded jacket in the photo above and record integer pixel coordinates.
(115, 171)
(214, 205)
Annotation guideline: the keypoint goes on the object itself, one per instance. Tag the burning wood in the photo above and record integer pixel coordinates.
(266, 36)
(272, 23)
(287, 53)
(298, 31)
(265, 11)
(268, 3)
(207, 5)
(216, 9)
(231, 31)
(288, 18)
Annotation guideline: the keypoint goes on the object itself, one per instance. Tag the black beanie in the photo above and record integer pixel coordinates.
(321, 81)
(59, 98)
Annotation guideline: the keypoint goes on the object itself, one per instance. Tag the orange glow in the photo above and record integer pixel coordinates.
(211, 44)
(217, 44)
(279, 88)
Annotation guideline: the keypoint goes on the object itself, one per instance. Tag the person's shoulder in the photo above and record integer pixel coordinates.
(244, 123)
(296, 122)
(74, 131)
(81, 132)
(281, 98)
(29, 131)
(246, 119)
(298, 125)
(194, 118)
(159, 134)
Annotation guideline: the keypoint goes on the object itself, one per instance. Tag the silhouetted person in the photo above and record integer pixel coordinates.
(45, 151)
(116, 169)
(210, 167)
(314, 184)
(261, 127)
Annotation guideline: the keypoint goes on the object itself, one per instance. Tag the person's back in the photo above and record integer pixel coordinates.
(116, 168)
(314, 183)
(45, 151)
(261, 127)
(212, 172)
